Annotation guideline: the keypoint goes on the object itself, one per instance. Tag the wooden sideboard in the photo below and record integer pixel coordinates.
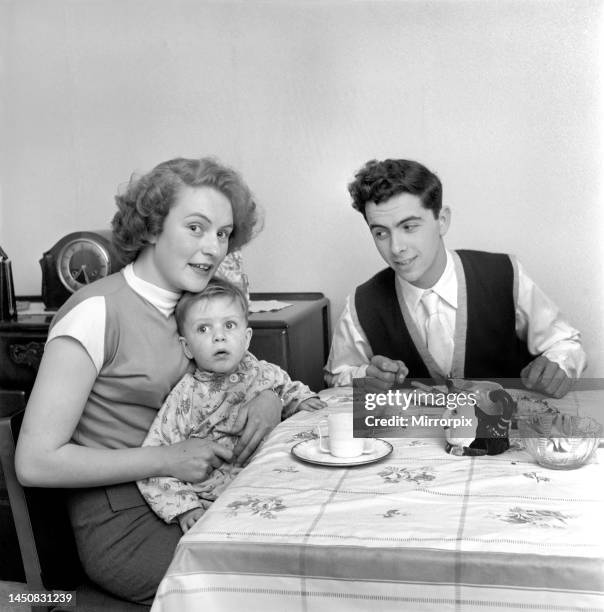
(296, 338)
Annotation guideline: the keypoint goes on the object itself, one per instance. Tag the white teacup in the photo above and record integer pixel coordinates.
(341, 442)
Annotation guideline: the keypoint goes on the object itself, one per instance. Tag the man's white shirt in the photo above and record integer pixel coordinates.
(538, 322)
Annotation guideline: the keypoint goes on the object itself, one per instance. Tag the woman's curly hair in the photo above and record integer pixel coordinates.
(147, 200)
(378, 181)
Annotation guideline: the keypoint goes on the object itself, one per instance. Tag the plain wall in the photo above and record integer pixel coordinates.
(502, 99)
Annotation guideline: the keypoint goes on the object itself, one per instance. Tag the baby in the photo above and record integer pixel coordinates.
(205, 404)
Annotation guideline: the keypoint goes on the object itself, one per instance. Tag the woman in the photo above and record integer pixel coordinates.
(111, 358)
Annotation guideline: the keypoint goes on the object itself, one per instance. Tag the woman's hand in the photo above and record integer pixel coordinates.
(255, 421)
(194, 459)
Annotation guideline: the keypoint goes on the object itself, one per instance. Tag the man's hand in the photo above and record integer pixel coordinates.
(383, 373)
(189, 518)
(312, 403)
(255, 421)
(545, 376)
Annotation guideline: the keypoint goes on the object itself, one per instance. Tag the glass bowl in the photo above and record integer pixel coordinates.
(560, 442)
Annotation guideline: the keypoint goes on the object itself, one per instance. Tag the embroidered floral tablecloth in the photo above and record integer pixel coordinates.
(420, 530)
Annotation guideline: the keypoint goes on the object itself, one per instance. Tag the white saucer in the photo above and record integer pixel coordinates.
(309, 451)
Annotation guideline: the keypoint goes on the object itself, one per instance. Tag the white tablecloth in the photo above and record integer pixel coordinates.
(420, 530)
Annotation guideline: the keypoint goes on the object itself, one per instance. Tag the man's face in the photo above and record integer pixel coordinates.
(409, 238)
(216, 334)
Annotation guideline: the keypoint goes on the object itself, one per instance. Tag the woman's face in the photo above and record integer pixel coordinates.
(193, 242)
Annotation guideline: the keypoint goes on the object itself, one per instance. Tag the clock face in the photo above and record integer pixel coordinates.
(82, 261)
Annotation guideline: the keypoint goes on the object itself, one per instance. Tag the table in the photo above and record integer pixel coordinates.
(421, 530)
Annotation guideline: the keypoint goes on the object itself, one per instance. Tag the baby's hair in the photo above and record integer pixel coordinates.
(217, 287)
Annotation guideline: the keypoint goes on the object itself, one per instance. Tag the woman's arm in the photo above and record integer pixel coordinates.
(46, 457)
(255, 421)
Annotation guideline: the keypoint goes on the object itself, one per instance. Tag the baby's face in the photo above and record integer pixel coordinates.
(216, 334)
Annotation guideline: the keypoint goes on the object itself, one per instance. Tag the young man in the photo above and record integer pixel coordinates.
(436, 313)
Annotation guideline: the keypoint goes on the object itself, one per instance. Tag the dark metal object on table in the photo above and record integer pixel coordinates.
(493, 412)
(8, 304)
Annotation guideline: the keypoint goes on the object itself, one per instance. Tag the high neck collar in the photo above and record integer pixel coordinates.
(164, 300)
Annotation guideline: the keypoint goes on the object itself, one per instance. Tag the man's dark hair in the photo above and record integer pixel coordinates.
(378, 181)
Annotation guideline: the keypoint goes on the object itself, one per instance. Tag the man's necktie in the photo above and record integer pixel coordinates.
(438, 340)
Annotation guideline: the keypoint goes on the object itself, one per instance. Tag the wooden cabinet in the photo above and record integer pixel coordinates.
(295, 338)
(21, 348)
